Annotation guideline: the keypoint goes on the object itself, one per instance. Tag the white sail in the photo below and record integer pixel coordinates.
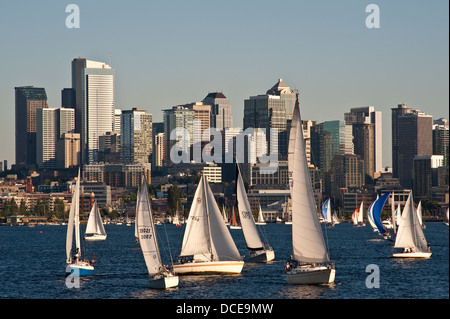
(73, 221)
(95, 224)
(146, 231)
(206, 234)
(307, 238)
(251, 235)
(410, 234)
(419, 212)
(260, 216)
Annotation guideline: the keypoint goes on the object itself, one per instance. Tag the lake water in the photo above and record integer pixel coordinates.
(32, 265)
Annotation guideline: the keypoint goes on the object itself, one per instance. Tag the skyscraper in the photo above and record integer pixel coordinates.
(221, 116)
(414, 137)
(136, 136)
(328, 139)
(271, 111)
(367, 115)
(441, 140)
(93, 83)
(178, 120)
(28, 100)
(51, 125)
(400, 110)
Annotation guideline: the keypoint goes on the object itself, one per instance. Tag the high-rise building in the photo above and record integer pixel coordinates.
(367, 115)
(347, 172)
(28, 100)
(329, 139)
(202, 121)
(51, 125)
(221, 116)
(178, 130)
(363, 141)
(414, 137)
(158, 151)
(93, 83)
(286, 95)
(271, 111)
(400, 110)
(68, 98)
(68, 150)
(117, 119)
(425, 174)
(441, 140)
(136, 136)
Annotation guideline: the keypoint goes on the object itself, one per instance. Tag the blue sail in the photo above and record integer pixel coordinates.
(377, 208)
(325, 210)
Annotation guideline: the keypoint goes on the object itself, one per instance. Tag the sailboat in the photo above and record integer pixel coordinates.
(310, 263)
(258, 252)
(207, 238)
(160, 276)
(95, 231)
(260, 220)
(410, 235)
(76, 266)
(326, 212)
(375, 212)
(234, 224)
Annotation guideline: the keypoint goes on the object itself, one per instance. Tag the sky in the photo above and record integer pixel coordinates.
(167, 53)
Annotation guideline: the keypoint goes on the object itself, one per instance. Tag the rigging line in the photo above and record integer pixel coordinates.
(168, 244)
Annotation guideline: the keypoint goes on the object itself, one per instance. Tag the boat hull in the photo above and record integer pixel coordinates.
(209, 267)
(262, 256)
(79, 270)
(311, 275)
(412, 255)
(95, 238)
(164, 282)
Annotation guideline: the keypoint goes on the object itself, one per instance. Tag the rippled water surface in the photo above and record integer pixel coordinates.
(32, 265)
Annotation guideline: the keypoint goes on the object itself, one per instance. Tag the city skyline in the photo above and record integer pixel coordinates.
(404, 61)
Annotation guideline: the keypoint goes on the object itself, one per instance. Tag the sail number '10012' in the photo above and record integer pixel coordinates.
(145, 233)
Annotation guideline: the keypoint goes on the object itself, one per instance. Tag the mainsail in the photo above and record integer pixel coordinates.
(307, 238)
(74, 222)
(146, 231)
(251, 235)
(410, 233)
(206, 235)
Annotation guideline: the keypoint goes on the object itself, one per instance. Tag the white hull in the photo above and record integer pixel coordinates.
(262, 256)
(412, 255)
(310, 275)
(95, 237)
(211, 267)
(79, 269)
(261, 224)
(235, 227)
(164, 282)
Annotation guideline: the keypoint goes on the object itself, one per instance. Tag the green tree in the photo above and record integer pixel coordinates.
(173, 199)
